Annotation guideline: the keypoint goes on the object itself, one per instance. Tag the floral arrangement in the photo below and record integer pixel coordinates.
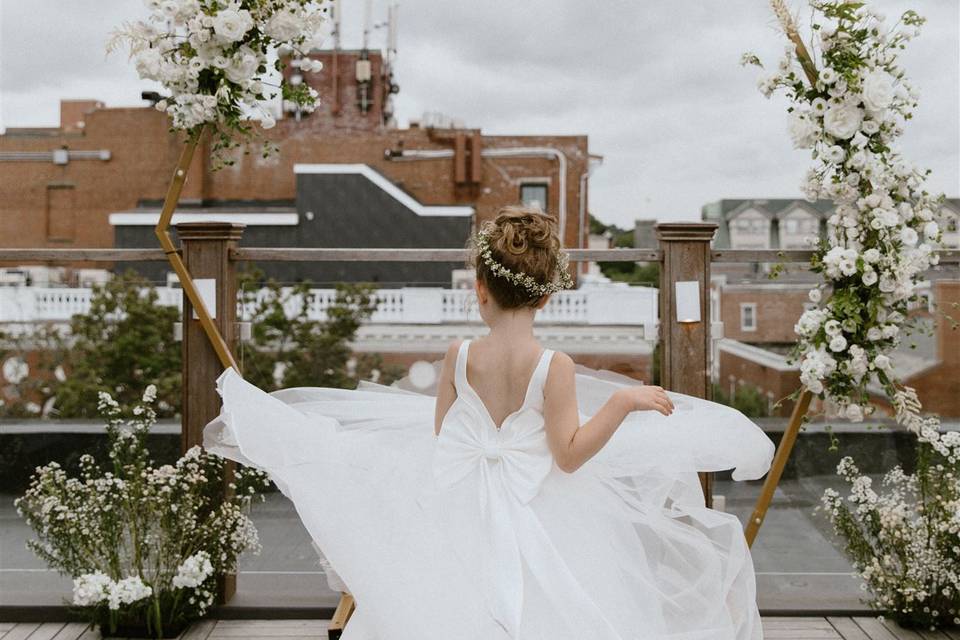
(528, 282)
(143, 544)
(850, 99)
(905, 541)
(215, 58)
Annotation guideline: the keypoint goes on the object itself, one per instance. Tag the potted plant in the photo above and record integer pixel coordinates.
(144, 544)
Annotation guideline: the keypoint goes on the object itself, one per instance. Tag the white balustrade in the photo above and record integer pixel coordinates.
(592, 305)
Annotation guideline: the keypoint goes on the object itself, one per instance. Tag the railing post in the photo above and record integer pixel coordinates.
(685, 346)
(206, 247)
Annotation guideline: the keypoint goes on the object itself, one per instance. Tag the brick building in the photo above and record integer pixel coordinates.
(59, 186)
(758, 322)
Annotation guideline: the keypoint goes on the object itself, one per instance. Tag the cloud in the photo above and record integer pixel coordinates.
(656, 86)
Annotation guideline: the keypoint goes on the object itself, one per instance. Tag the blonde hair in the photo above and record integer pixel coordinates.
(522, 257)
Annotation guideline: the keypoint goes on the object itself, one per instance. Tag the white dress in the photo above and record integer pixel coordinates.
(476, 534)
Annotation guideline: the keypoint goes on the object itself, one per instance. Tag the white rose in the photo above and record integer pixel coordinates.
(853, 412)
(803, 131)
(842, 120)
(838, 343)
(858, 160)
(283, 26)
(882, 362)
(833, 153)
(869, 277)
(859, 140)
(242, 67)
(814, 295)
(877, 90)
(908, 236)
(874, 334)
(931, 230)
(232, 23)
(832, 327)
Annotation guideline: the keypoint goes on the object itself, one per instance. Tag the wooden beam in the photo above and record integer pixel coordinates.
(685, 346)
(787, 441)
(82, 255)
(269, 254)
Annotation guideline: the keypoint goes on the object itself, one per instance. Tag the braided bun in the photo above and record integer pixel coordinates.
(524, 240)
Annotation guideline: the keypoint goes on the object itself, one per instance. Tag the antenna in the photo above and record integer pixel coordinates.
(392, 11)
(337, 13)
(367, 13)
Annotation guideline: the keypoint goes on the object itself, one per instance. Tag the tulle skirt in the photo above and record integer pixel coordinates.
(623, 548)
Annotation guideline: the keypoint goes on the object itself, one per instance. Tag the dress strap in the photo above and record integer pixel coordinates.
(538, 380)
(460, 370)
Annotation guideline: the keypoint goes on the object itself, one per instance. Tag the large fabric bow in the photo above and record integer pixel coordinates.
(509, 466)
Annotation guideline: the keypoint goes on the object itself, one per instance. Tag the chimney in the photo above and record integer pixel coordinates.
(73, 114)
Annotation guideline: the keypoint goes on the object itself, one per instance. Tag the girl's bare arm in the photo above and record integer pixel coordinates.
(446, 390)
(573, 444)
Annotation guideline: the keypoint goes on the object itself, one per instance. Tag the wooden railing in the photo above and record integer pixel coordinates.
(211, 251)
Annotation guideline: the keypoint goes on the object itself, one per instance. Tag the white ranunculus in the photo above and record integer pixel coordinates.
(814, 295)
(842, 120)
(877, 90)
(832, 327)
(838, 343)
(232, 23)
(803, 131)
(870, 127)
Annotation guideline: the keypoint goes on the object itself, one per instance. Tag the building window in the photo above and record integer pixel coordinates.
(748, 316)
(534, 194)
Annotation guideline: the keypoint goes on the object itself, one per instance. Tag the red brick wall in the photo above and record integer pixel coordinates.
(777, 309)
(144, 153)
(743, 372)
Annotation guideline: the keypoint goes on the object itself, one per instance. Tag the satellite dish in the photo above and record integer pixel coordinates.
(422, 374)
(15, 370)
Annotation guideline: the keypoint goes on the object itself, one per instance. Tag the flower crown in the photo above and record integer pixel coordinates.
(520, 278)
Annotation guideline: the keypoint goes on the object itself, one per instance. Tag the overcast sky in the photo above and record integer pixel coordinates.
(655, 85)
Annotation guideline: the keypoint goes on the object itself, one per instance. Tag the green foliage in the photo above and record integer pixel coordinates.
(630, 272)
(288, 349)
(747, 400)
(123, 344)
(43, 350)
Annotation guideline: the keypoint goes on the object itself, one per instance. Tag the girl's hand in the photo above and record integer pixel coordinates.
(646, 398)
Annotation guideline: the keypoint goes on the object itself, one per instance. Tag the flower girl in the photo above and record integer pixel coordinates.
(527, 499)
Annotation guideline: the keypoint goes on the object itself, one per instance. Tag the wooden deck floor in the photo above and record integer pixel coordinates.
(837, 628)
